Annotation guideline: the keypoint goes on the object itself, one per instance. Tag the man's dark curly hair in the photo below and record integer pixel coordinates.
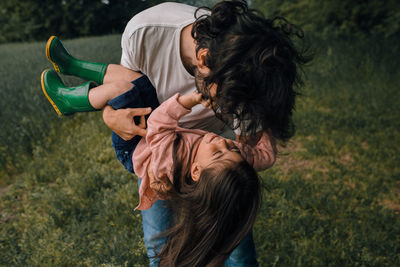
(255, 65)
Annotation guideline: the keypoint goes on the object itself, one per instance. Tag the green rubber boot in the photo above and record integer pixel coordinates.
(65, 100)
(64, 63)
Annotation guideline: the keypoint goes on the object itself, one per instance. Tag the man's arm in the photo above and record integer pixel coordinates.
(121, 121)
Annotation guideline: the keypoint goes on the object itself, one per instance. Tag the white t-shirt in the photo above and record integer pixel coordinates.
(151, 45)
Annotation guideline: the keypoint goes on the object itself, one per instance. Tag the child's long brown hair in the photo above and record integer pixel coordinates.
(212, 215)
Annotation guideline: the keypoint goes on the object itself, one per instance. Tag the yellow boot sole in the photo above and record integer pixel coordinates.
(56, 67)
(45, 92)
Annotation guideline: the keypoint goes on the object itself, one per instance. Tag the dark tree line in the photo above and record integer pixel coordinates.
(344, 18)
(26, 20)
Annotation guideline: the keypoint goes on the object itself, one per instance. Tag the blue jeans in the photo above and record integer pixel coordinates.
(158, 218)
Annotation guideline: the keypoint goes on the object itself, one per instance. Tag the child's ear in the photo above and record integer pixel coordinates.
(201, 61)
(195, 171)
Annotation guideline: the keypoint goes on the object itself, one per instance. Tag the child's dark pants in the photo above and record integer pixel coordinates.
(142, 95)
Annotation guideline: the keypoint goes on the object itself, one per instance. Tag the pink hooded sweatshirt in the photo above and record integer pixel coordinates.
(157, 148)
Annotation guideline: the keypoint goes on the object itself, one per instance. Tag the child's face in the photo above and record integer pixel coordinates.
(214, 148)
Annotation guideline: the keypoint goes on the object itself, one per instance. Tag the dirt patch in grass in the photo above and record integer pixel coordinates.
(290, 160)
(390, 204)
(4, 216)
(8, 218)
(394, 202)
(365, 145)
(346, 159)
(3, 190)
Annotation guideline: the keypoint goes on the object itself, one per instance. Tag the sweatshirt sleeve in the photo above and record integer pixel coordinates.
(261, 156)
(161, 133)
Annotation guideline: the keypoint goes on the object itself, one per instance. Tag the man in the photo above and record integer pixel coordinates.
(243, 64)
(251, 62)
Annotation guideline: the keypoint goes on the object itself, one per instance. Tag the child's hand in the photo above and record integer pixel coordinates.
(190, 100)
(199, 99)
(162, 186)
(206, 103)
(196, 97)
(193, 99)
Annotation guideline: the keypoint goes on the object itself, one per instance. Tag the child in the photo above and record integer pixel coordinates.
(210, 181)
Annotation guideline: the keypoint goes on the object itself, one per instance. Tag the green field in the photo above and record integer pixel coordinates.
(332, 199)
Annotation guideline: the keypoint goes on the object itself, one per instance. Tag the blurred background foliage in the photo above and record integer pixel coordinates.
(345, 18)
(28, 20)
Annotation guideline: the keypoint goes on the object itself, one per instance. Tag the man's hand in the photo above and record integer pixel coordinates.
(121, 121)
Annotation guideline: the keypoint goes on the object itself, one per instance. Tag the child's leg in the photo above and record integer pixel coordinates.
(119, 73)
(100, 95)
(64, 63)
(85, 97)
(65, 100)
(100, 73)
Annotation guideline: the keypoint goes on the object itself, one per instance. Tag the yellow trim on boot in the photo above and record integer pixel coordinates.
(48, 44)
(47, 96)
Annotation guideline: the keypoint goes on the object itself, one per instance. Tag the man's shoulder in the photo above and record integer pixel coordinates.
(167, 14)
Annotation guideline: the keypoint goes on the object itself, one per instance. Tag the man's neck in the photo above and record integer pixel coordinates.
(188, 49)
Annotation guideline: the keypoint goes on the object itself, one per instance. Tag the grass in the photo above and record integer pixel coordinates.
(332, 199)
